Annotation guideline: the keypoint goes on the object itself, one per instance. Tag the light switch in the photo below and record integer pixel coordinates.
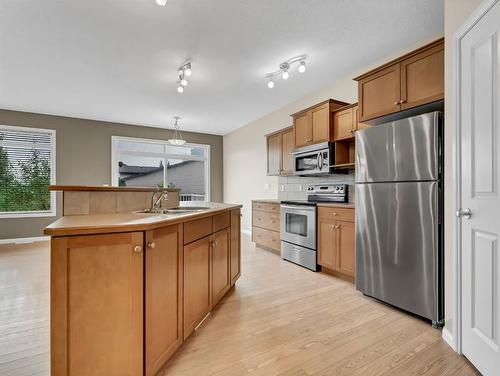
(282, 187)
(266, 186)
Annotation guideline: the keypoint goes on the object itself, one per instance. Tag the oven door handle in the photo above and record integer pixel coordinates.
(301, 207)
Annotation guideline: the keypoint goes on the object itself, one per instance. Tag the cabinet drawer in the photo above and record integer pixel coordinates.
(333, 213)
(221, 221)
(267, 207)
(266, 220)
(267, 238)
(197, 229)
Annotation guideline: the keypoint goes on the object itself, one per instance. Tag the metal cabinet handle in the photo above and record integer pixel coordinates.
(334, 213)
(137, 249)
(337, 227)
(151, 245)
(396, 103)
(465, 213)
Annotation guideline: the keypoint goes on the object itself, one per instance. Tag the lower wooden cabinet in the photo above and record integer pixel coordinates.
(235, 263)
(336, 240)
(97, 305)
(221, 278)
(266, 225)
(122, 304)
(163, 300)
(197, 283)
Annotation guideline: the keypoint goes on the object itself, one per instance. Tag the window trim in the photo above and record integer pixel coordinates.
(53, 210)
(114, 157)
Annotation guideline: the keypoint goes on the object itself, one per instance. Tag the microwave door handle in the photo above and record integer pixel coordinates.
(320, 161)
(317, 161)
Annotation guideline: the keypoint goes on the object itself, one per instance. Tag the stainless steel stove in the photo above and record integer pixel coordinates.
(298, 223)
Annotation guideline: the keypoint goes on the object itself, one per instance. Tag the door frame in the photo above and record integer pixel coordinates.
(455, 340)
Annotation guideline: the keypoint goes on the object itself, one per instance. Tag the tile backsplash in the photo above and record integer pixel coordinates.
(295, 187)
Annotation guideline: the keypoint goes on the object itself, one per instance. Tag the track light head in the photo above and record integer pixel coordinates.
(302, 66)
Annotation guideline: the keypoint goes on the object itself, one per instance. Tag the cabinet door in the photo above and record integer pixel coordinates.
(197, 283)
(163, 295)
(379, 93)
(274, 154)
(422, 78)
(343, 124)
(302, 128)
(326, 244)
(320, 123)
(235, 264)
(97, 305)
(221, 278)
(288, 140)
(345, 248)
(357, 125)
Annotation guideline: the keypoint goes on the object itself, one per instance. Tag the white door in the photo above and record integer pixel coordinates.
(479, 116)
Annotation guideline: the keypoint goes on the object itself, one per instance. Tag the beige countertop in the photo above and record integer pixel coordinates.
(125, 222)
(332, 205)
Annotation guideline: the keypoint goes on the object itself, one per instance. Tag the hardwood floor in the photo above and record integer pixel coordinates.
(281, 319)
(24, 309)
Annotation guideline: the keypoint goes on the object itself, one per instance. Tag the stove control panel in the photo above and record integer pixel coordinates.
(327, 193)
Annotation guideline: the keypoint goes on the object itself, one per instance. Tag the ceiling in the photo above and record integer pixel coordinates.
(117, 60)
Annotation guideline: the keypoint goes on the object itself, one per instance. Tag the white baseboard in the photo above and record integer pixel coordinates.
(448, 337)
(247, 232)
(25, 240)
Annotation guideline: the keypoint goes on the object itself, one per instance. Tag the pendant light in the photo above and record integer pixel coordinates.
(177, 138)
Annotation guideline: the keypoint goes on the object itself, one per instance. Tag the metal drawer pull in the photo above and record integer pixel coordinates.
(334, 213)
(137, 249)
(151, 245)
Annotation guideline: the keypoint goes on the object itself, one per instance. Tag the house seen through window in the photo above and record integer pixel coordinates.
(27, 168)
(156, 163)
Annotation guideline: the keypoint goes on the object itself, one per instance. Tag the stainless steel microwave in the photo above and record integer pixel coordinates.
(313, 160)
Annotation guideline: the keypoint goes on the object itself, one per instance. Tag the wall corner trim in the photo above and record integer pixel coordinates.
(448, 338)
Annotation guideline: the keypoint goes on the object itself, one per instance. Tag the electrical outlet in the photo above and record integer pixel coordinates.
(282, 187)
(267, 186)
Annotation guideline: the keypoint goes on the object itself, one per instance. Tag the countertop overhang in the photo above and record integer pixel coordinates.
(126, 222)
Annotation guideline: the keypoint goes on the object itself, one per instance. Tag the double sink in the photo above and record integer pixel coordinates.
(177, 210)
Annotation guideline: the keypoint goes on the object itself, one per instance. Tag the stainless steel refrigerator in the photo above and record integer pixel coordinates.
(399, 214)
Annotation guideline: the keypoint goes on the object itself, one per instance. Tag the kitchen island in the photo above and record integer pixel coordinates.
(128, 288)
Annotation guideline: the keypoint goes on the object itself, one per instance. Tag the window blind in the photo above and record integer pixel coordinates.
(26, 158)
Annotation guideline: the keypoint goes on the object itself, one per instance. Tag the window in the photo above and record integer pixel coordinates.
(27, 168)
(155, 163)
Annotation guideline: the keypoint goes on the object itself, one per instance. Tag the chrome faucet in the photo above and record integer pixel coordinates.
(156, 199)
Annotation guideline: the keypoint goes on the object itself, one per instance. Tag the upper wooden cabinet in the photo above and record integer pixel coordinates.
(315, 124)
(280, 146)
(288, 144)
(345, 122)
(163, 300)
(412, 80)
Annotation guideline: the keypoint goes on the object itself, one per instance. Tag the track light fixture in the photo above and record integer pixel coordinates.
(161, 3)
(183, 71)
(284, 69)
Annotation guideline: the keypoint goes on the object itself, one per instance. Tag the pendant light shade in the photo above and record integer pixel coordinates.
(177, 138)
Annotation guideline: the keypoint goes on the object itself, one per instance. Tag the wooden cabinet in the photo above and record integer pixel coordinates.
(266, 225)
(288, 144)
(221, 278)
(163, 295)
(97, 305)
(412, 80)
(303, 129)
(315, 125)
(235, 264)
(197, 283)
(422, 77)
(274, 150)
(336, 245)
(280, 146)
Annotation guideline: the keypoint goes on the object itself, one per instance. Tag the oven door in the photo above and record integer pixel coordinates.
(298, 225)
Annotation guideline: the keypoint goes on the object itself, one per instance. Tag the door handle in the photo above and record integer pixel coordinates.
(465, 213)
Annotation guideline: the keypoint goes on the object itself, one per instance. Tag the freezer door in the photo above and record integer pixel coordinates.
(397, 245)
(404, 150)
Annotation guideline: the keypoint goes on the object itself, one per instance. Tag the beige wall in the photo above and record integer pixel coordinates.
(456, 12)
(245, 149)
(83, 156)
